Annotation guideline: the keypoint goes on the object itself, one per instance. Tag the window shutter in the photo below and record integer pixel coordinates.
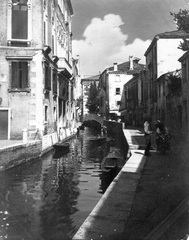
(15, 75)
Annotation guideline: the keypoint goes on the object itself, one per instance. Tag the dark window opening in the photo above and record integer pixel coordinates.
(19, 19)
(60, 107)
(19, 75)
(54, 82)
(117, 91)
(47, 77)
(46, 113)
(44, 32)
(64, 108)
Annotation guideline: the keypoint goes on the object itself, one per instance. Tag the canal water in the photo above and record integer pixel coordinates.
(50, 198)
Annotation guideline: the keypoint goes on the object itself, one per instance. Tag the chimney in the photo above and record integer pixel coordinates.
(131, 62)
(115, 66)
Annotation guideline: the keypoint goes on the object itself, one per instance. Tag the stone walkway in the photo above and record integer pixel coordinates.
(160, 206)
(148, 200)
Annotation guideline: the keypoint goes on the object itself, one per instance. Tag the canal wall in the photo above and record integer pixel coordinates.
(16, 154)
(13, 153)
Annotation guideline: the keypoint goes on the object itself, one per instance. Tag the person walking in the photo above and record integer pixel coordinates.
(147, 135)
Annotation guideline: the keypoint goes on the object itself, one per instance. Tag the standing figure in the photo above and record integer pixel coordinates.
(147, 135)
(162, 137)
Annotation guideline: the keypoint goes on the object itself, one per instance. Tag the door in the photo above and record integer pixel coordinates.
(3, 124)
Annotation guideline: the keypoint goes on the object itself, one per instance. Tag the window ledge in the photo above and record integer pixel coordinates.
(19, 90)
(19, 43)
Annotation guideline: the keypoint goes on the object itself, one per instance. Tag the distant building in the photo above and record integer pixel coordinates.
(133, 107)
(36, 76)
(111, 83)
(86, 83)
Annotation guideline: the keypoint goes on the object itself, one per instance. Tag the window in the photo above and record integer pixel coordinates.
(60, 103)
(19, 23)
(55, 114)
(19, 75)
(46, 113)
(53, 44)
(44, 4)
(117, 79)
(47, 77)
(117, 91)
(19, 19)
(54, 82)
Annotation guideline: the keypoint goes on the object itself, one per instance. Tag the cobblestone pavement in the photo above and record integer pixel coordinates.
(160, 207)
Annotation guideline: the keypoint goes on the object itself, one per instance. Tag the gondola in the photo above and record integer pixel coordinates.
(113, 161)
(61, 146)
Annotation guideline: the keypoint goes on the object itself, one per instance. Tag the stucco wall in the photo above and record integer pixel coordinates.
(168, 55)
(113, 84)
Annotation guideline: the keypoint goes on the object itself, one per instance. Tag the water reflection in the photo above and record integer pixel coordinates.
(51, 197)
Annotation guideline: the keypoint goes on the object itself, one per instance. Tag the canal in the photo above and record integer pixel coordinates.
(50, 198)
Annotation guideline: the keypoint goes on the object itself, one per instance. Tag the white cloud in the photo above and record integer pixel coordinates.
(104, 43)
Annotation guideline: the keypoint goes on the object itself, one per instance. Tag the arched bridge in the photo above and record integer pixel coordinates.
(93, 117)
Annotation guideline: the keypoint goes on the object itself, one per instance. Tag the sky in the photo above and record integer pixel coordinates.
(109, 31)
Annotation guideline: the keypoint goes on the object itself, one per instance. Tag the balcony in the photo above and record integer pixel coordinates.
(63, 65)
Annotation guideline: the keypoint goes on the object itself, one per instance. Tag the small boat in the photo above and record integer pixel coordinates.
(113, 161)
(61, 146)
(98, 138)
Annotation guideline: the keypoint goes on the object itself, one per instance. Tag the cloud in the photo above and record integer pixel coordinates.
(104, 43)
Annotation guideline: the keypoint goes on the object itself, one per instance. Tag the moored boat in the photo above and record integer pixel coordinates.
(113, 161)
(60, 146)
(98, 138)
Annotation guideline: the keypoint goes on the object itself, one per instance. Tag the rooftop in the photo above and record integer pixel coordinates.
(169, 35)
(125, 67)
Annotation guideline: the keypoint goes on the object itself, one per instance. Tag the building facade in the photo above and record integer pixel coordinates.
(85, 85)
(111, 83)
(36, 75)
(133, 100)
(161, 58)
